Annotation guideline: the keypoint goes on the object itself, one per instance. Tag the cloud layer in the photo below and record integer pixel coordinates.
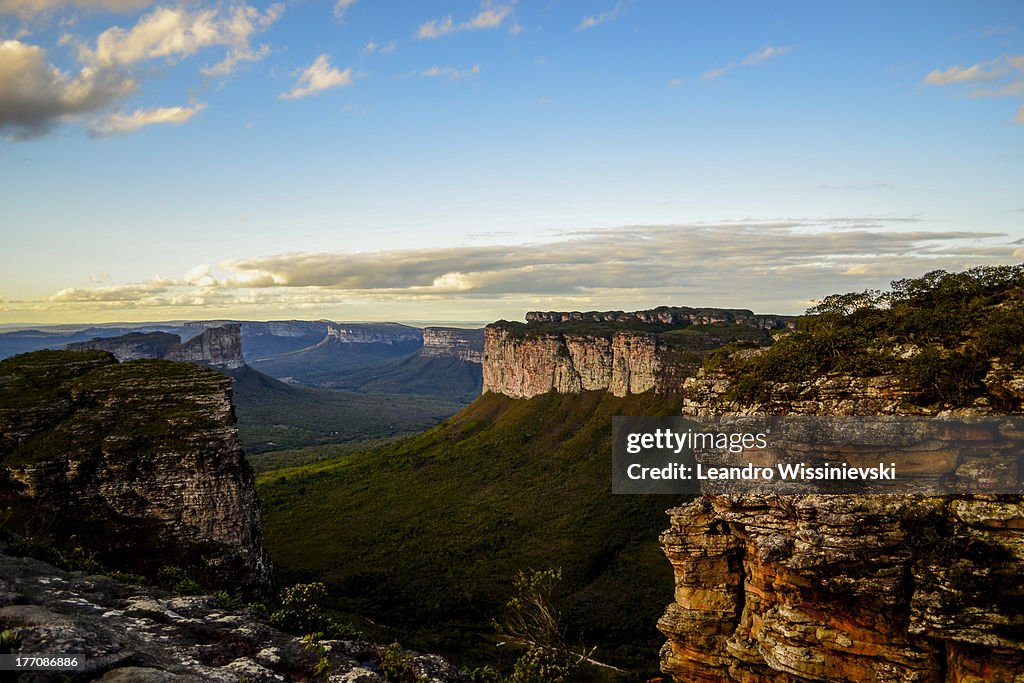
(777, 265)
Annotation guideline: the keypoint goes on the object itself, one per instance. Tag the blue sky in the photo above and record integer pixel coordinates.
(464, 160)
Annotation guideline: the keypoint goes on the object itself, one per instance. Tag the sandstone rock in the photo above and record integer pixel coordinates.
(452, 342)
(131, 346)
(219, 346)
(375, 333)
(216, 346)
(843, 588)
(138, 462)
(626, 363)
(169, 639)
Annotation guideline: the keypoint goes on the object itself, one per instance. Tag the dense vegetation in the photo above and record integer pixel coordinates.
(939, 333)
(418, 374)
(425, 536)
(273, 415)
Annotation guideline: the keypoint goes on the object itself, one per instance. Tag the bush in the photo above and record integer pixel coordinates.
(176, 579)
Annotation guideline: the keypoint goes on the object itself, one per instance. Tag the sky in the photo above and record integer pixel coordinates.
(467, 160)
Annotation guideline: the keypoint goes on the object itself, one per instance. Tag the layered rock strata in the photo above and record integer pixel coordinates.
(453, 342)
(374, 333)
(138, 462)
(624, 363)
(844, 588)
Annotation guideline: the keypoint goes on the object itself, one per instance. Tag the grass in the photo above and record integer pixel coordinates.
(426, 535)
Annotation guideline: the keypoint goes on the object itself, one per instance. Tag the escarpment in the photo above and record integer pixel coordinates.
(622, 353)
(219, 346)
(453, 342)
(137, 463)
(812, 587)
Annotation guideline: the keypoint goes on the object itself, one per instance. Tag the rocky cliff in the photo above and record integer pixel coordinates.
(131, 346)
(453, 342)
(374, 333)
(131, 634)
(814, 587)
(622, 353)
(219, 346)
(137, 462)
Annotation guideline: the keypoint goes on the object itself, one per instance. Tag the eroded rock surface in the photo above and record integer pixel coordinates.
(138, 462)
(130, 634)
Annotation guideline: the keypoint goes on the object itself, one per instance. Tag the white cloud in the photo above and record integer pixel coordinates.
(119, 123)
(1020, 115)
(27, 8)
(753, 59)
(341, 7)
(959, 74)
(764, 55)
(35, 95)
(373, 47)
(596, 19)
(676, 82)
(490, 16)
(176, 32)
(1003, 77)
(320, 75)
(450, 72)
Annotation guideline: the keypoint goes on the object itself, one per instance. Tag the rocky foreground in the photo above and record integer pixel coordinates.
(132, 634)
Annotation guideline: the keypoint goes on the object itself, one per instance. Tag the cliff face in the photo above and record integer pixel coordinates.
(132, 346)
(216, 346)
(384, 333)
(628, 363)
(452, 342)
(138, 462)
(844, 588)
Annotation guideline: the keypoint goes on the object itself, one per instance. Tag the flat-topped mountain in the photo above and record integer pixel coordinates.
(623, 353)
(137, 462)
(453, 342)
(219, 346)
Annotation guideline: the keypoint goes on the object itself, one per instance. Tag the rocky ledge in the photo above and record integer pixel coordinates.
(131, 634)
(137, 462)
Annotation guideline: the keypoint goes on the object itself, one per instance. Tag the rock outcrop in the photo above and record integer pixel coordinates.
(130, 634)
(138, 462)
(844, 588)
(219, 346)
(626, 363)
(453, 342)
